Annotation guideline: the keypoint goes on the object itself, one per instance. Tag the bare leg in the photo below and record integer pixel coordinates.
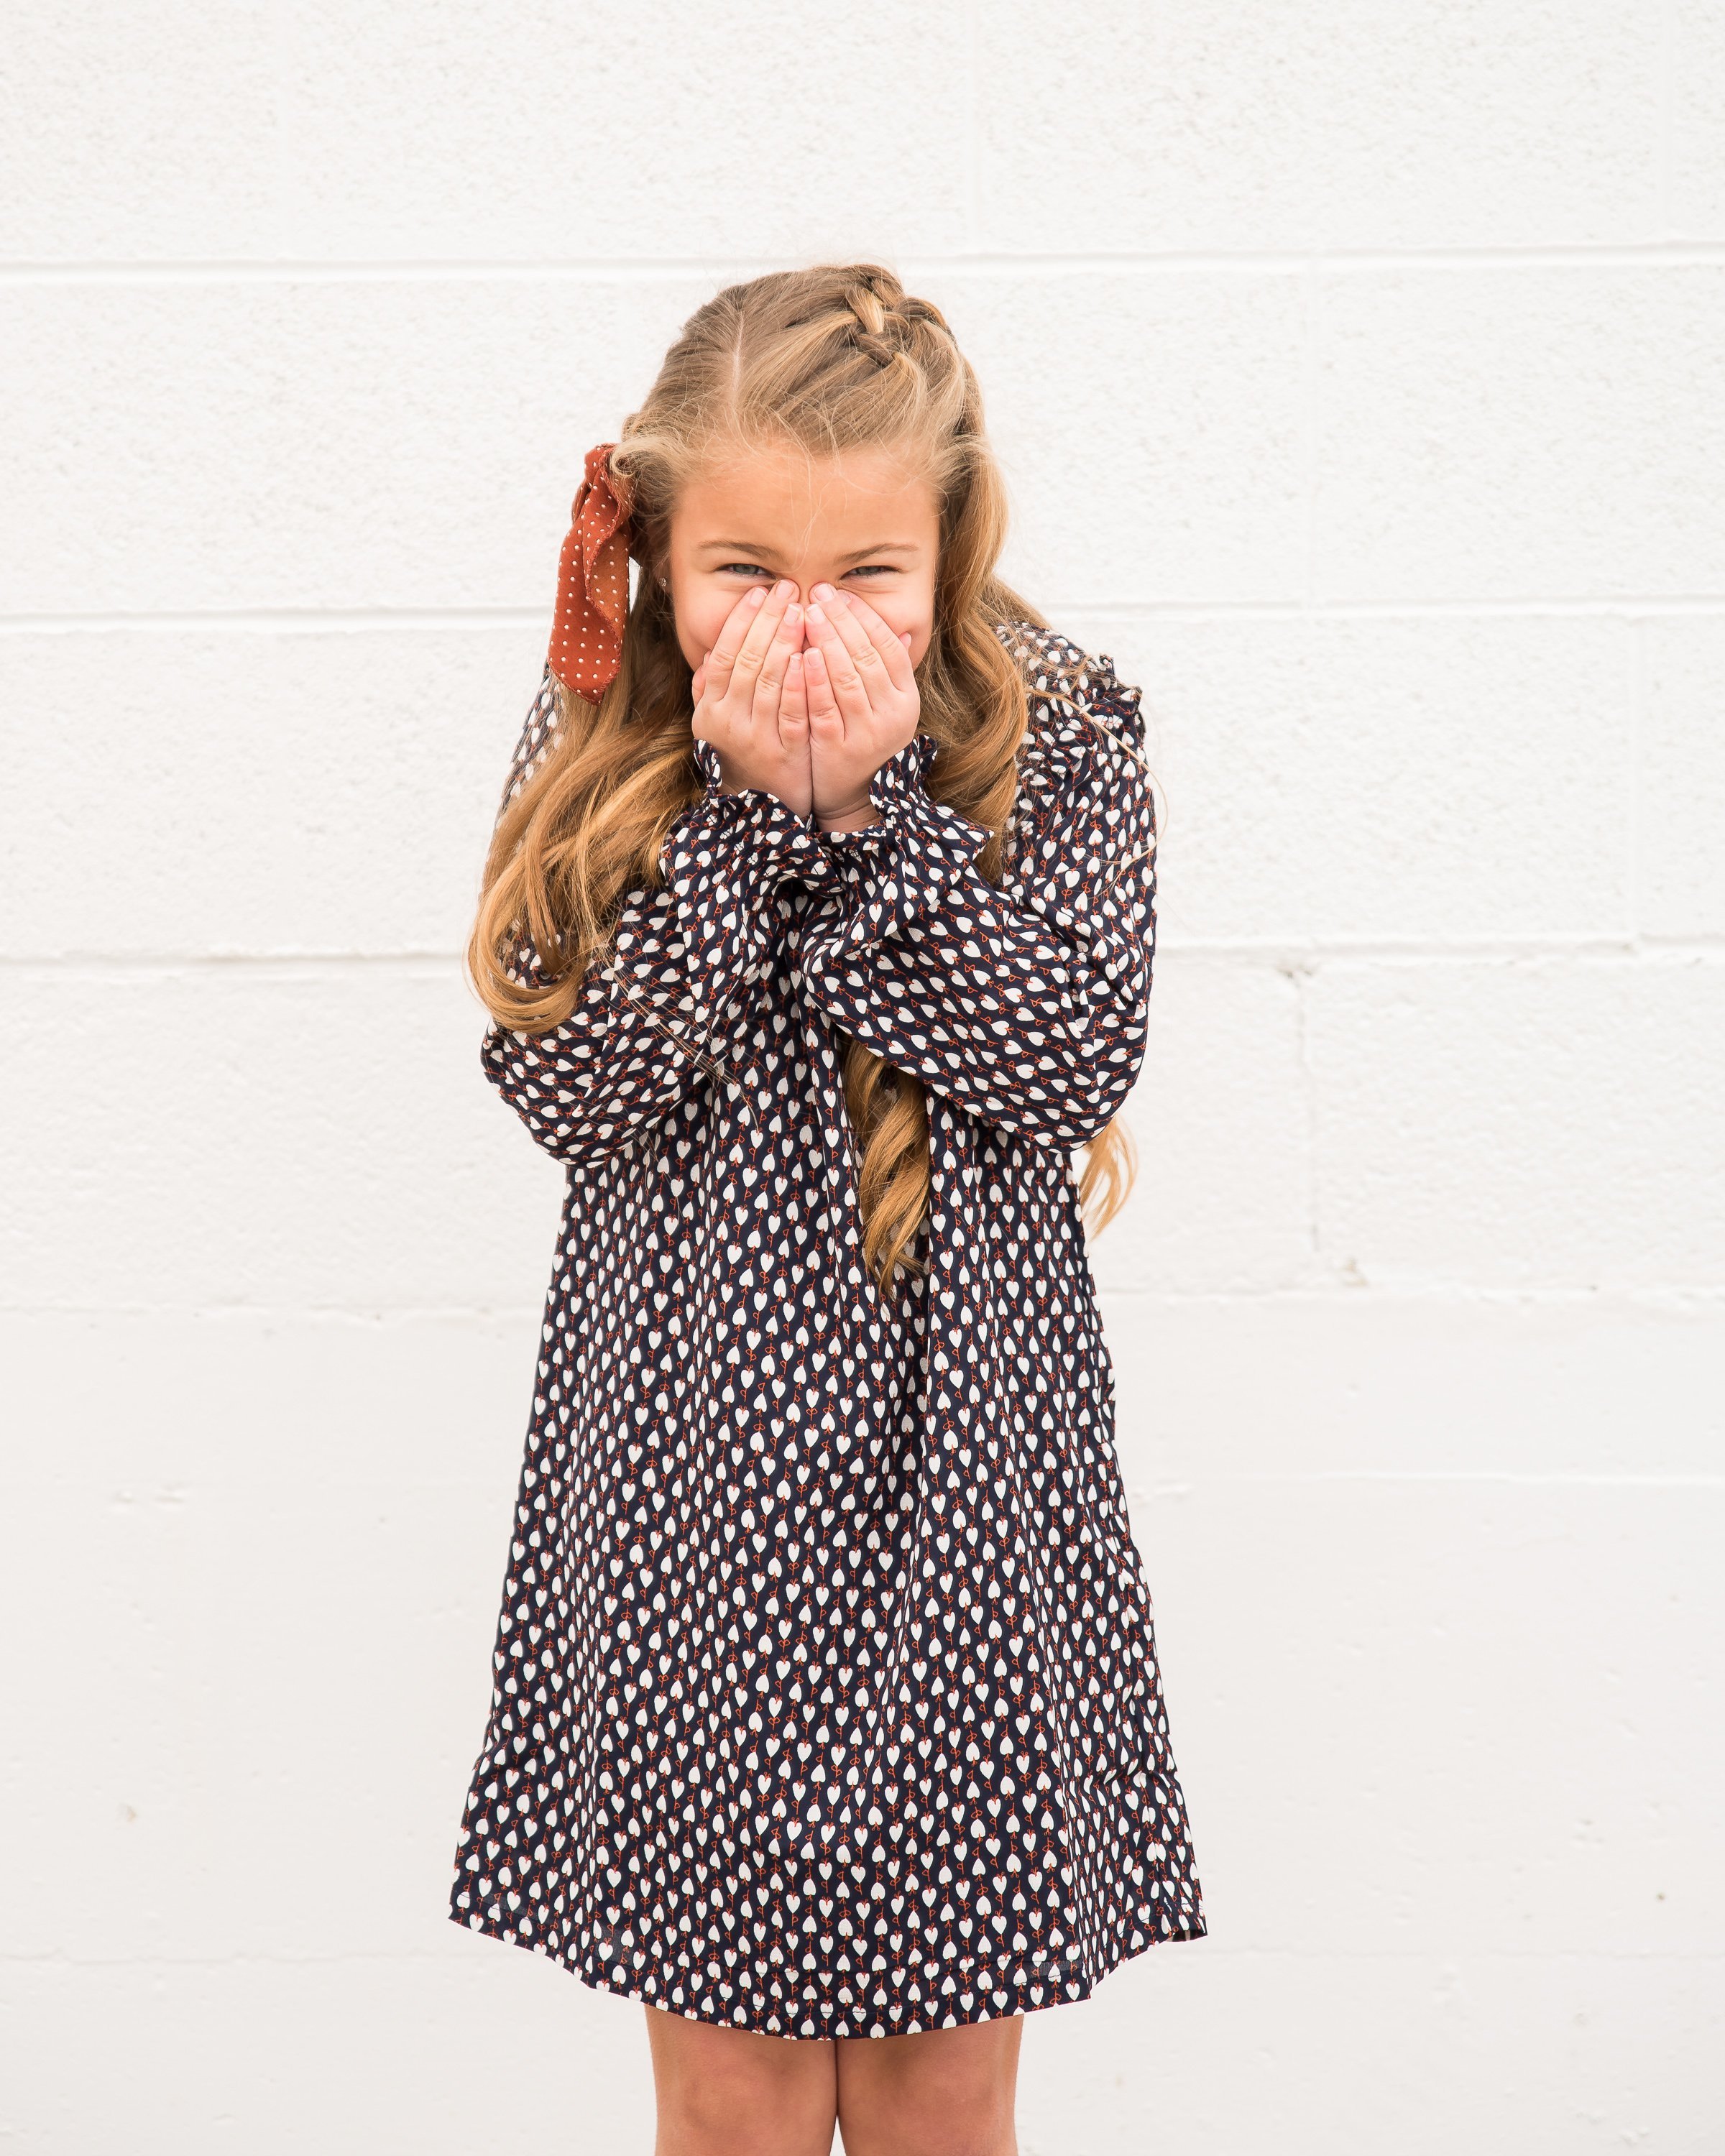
(731, 2092)
(944, 2092)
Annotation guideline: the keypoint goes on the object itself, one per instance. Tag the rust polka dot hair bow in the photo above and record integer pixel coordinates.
(593, 580)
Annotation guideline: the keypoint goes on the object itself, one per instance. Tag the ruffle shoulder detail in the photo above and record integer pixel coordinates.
(1076, 696)
(1084, 732)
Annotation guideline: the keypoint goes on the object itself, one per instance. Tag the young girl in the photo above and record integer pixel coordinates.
(816, 935)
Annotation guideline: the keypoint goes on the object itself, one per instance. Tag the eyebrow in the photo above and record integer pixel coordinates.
(750, 546)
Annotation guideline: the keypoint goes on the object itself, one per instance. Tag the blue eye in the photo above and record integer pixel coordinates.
(742, 568)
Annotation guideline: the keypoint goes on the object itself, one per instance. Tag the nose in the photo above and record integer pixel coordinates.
(798, 594)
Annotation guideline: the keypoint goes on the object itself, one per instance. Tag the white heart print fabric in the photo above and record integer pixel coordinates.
(826, 1697)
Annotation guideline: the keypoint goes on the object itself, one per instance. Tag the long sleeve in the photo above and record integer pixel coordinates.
(1026, 1002)
(667, 1008)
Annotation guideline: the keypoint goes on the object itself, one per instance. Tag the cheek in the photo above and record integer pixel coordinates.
(911, 606)
(700, 613)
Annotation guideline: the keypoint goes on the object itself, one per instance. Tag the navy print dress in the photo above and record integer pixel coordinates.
(826, 1697)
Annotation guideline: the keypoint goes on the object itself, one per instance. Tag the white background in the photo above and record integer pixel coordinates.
(1360, 369)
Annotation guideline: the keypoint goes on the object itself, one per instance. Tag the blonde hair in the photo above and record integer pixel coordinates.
(831, 358)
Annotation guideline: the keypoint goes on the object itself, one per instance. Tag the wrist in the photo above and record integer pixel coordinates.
(856, 817)
(730, 786)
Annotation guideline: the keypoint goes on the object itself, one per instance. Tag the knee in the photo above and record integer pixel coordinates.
(919, 2095)
(742, 2095)
(734, 2113)
(912, 2122)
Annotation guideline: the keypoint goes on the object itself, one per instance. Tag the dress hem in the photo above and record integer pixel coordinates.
(1020, 1998)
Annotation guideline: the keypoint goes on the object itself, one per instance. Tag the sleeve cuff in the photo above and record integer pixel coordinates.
(890, 872)
(785, 844)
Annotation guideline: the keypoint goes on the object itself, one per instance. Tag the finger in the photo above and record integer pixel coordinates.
(817, 686)
(793, 703)
(849, 691)
(769, 683)
(899, 669)
(697, 685)
(768, 616)
(868, 665)
(722, 657)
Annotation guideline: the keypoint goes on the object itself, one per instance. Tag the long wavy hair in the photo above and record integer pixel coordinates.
(832, 358)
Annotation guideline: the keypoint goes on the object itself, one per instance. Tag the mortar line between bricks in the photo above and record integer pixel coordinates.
(1443, 1955)
(1296, 976)
(1667, 162)
(1309, 429)
(1640, 663)
(1622, 947)
(1524, 1478)
(972, 127)
(370, 1315)
(1674, 1302)
(982, 263)
(326, 621)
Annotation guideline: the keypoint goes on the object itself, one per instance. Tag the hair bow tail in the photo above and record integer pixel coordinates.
(593, 581)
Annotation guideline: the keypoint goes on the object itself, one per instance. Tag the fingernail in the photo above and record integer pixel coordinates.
(822, 591)
(815, 614)
(785, 588)
(755, 596)
(792, 613)
(904, 638)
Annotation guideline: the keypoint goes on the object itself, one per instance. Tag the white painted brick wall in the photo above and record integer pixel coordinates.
(1360, 371)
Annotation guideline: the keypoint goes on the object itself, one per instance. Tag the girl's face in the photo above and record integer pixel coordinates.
(865, 522)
